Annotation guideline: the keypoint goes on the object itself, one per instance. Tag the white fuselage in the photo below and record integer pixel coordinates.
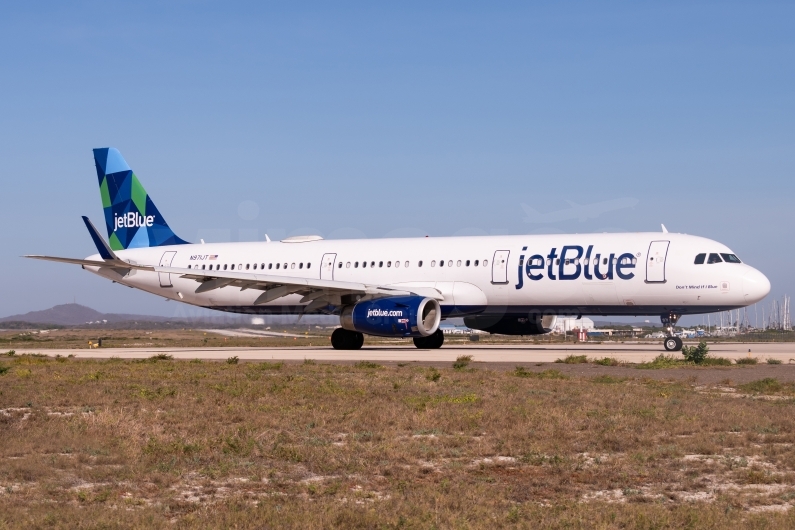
(636, 274)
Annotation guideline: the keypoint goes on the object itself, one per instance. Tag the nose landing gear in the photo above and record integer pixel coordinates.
(671, 343)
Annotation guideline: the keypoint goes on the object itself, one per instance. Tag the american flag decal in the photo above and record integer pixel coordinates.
(214, 256)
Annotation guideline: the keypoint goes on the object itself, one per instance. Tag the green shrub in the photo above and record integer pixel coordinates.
(573, 359)
(462, 362)
(608, 379)
(161, 357)
(232, 360)
(270, 366)
(11, 353)
(607, 361)
(433, 375)
(661, 361)
(762, 386)
(520, 371)
(774, 361)
(747, 360)
(367, 364)
(4, 368)
(716, 361)
(696, 354)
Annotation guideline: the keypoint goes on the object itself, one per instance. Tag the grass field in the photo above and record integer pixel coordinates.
(154, 443)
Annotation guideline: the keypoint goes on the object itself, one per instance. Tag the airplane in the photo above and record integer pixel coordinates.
(511, 285)
(578, 211)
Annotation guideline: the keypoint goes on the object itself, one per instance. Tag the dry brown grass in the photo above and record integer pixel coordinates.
(93, 443)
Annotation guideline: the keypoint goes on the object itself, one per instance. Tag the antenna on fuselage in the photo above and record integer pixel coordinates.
(267, 238)
(665, 230)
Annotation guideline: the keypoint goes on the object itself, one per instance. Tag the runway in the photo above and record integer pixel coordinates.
(628, 352)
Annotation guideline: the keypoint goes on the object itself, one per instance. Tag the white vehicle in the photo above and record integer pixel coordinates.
(513, 285)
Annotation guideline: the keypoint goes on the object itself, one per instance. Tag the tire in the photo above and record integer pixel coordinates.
(672, 344)
(430, 342)
(343, 339)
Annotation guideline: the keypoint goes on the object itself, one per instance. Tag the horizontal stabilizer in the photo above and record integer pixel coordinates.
(114, 263)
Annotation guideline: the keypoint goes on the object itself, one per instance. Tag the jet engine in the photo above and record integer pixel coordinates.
(395, 316)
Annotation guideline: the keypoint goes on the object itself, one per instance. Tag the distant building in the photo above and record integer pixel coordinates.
(569, 324)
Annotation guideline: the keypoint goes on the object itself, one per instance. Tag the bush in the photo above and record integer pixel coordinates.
(696, 354)
(11, 353)
(716, 361)
(573, 359)
(4, 369)
(161, 357)
(232, 360)
(367, 364)
(520, 371)
(607, 361)
(774, 361)
(661, 361)
(762, 386)
(747, 360)
(433, 375)
(462, 362)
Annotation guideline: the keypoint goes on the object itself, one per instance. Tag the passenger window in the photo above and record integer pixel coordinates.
(433, 263)
(730, 258)
(485, 263)
(278, 265)
(397, 264)
(232, 267)
(285, 265)
(441, 263)
(202, 267)
(189, 266)
(292, 265)
(567, 262)
(450, 263)
(348, 265)
(308, 265)
(300, 265)
(467, 263)
(364, 264)
(255, 266)
(246, 266)
(604, 261)
(700, 258)
(262, 266)
(406, 264)
(224, 266)
(340, 265)
(714, 258)
(476, 263)
(355, 264)
(380, 263)
(270, 266)
(388, 263)
(419, 264)
(372, 264)
(557, 261)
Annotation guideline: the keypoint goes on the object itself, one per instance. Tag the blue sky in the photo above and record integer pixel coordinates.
(372, 120)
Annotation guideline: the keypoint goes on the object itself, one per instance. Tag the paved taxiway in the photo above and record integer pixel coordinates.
(784, 352)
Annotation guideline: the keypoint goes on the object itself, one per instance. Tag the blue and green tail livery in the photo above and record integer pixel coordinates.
(132, 219)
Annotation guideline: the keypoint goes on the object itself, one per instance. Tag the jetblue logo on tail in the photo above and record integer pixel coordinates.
(132, 220)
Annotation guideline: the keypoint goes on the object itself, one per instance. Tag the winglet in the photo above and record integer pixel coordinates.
(103, 248)
(665, 230)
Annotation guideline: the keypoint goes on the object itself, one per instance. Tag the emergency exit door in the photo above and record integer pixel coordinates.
(327, 267)
(165, 261)
(499, 267)
(655, 261)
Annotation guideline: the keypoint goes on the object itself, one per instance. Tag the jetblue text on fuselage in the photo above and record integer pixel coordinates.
(570, 264)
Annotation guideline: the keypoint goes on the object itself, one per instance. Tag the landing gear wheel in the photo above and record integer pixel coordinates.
(343, 339)
(430, 342)
(672, 344)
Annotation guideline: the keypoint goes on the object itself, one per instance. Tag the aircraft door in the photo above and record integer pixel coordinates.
(499, 267)
(655, 261)
(165, 261)
(327, 267)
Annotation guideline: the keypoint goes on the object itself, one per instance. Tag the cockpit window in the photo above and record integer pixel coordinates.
(730, 258)
(700, 259)
(714, 258)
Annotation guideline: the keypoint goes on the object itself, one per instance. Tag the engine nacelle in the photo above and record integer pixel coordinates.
(513, 324)
(396, 316)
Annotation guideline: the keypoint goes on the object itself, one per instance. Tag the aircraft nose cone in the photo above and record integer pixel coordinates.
(755, 286)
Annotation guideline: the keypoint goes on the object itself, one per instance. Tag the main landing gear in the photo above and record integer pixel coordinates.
(431, 342)
(343, 339)
(671, 343)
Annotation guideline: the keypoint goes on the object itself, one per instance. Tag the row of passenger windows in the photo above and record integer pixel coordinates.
(716, 258)
(406, 264)
(585, 261)
(249, 266)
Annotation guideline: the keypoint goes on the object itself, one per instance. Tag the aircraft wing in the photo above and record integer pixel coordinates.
(112, 263)
(319, 293)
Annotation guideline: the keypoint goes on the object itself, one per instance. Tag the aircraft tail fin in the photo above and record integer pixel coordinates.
(132, 219)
